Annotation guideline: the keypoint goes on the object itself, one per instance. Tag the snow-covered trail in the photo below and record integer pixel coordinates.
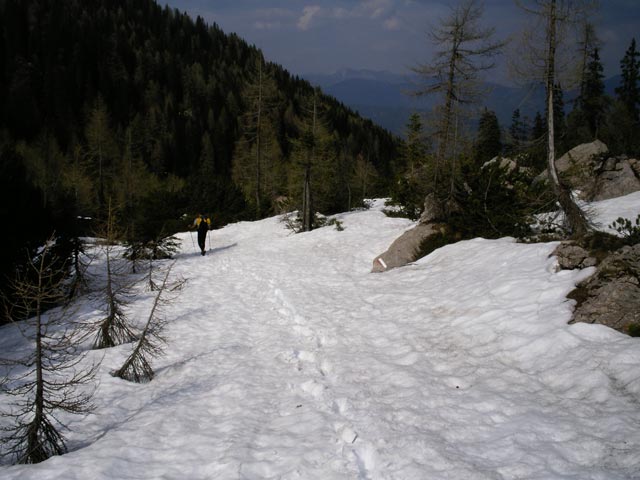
(287, 359)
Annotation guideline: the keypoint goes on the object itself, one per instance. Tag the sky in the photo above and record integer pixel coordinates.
(286, 358)
(316, 37)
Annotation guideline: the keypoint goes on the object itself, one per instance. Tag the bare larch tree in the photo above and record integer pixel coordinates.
(53, 378)
(465, 49)
(555, 17)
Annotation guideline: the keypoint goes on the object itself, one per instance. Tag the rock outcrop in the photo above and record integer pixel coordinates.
(587, 169)
(576, 166)
(571, 256)
(611, 296)
(615, 177)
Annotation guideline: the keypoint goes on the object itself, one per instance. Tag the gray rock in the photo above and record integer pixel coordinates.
(580, 158)
(571, 256)
(405, 248)
(582, 169)
(433, 209)
(616, 178)
(504, 162)
(611, 296)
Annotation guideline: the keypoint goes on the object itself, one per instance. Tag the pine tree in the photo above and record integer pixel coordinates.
(517, 133)
(313, 159)
(588, 43)
(101, 151)
(622, 132)
(114, 328)
(628, 93)
(488, 143)
(258, 154)
(415, 149)
(536, 150)
(593, 101)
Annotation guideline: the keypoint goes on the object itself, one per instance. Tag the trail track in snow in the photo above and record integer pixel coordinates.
(287, 359)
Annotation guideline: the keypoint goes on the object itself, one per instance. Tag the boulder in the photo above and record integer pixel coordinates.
(577, 166)
(616, 177)
(405, 248)
(582, 157)
(584, 169)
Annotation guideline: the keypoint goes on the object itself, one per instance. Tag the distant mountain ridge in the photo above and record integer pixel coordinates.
(385, 97)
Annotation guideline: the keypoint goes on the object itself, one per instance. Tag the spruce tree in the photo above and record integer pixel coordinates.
(593, 101)
(517, 133)
(488, 143)
(414, 152)
(628, 93)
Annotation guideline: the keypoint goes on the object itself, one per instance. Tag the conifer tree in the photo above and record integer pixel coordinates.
(628, 93)
(53, 378)
(258, 157)
(488, 143)
(313, 157)
(364, 176)
(593, 101)
(101, 151)
(587, 44)
(465, 50)
(517, 133)
(137, 367)
(414, 152)
(536, 150)
(114, 328)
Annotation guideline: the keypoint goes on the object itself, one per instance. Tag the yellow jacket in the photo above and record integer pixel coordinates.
(196, 222)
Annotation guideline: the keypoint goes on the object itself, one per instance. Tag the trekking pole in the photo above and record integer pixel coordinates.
(192, 242)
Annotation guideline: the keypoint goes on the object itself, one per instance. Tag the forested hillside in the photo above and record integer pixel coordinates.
(128, 104)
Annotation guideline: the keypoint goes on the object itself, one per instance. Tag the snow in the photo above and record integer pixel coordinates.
(288, 359)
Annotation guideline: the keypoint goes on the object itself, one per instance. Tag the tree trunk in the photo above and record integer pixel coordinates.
(575, 217)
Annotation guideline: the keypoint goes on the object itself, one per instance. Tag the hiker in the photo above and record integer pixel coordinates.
(202, 224)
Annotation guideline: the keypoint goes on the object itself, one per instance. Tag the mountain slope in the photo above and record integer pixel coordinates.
(383, 96)
(288, 359)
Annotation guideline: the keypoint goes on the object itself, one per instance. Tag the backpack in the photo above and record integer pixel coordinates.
(203, 226)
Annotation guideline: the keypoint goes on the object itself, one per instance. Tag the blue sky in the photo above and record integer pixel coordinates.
(309, 36)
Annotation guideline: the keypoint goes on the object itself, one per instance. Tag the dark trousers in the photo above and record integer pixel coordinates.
(202, 237)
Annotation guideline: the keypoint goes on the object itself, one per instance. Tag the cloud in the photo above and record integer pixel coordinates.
(392, 23)
(304, 22)
(376, 8)
(341, 13)
(263, 25)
